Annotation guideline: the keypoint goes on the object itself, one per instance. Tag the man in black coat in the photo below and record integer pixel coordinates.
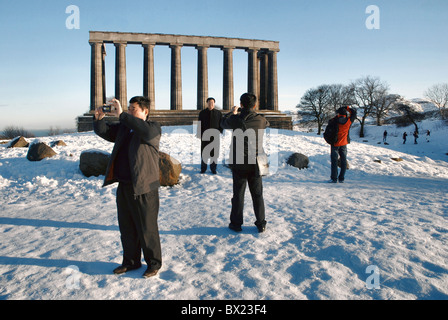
(247, 143)
(134, 164)
(210, 119)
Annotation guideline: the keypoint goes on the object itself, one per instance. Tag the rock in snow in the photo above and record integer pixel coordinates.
(38, 151)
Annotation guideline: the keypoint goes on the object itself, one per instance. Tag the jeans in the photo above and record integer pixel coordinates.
(337, 152)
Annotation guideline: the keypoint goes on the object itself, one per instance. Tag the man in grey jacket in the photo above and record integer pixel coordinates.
(134, 164)
(247, 143)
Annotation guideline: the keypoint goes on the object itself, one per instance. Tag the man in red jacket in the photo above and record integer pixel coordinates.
(339, 148)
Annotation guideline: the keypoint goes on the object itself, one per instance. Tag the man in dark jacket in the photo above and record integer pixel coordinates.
(210, 118)
(339, 148)
(134, 164)
(247, 142)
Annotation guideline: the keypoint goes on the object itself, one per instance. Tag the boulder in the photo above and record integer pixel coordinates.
(298, 160)
(38, 151)
(169, 169)
(93, 162)
(58, 143)
(18, 142)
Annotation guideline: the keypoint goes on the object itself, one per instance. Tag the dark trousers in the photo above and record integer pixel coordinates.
(338, 152)
(213, 156)
(240, 179)
(137, 220)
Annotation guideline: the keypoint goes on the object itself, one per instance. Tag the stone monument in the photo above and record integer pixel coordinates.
(262, 74)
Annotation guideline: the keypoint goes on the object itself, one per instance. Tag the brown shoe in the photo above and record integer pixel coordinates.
(125, 268)
(150, 273)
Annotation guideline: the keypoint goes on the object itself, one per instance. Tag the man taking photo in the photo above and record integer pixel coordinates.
(248, 127)
(134, 164)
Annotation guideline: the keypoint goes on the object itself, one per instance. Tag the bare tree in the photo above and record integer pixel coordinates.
(368, 91)
(438, 94)
(382, 107)
(411, 113)
(316, 102)
(54, 131)
(340, 96)
(11, 132)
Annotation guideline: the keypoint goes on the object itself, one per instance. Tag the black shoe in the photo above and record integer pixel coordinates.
(235, 227)
(125, 268)
(214, 172)
(150, 273)
(202, 171)
(261, 227)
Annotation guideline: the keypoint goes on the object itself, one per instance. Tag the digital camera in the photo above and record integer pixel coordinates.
(107, 109)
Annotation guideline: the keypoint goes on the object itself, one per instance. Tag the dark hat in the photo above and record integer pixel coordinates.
(342, 111)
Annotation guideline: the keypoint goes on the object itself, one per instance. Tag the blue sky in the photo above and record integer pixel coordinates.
(45, 67)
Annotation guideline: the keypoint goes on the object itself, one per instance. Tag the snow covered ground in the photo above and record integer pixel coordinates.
(382, 234)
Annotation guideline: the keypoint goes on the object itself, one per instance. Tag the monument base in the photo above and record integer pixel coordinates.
(276, 119)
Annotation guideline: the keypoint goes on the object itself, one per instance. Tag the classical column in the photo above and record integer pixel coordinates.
(176, 77)
(103, 70)
(202, 94)
(120, 74)
(263, 80)
(252, 73)
(272, 81)
(148, 74)
(228, 79)
(96, 75)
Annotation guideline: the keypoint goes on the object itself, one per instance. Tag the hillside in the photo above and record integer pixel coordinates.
(59, 237)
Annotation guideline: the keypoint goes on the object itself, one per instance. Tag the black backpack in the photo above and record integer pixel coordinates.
(331, 131)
